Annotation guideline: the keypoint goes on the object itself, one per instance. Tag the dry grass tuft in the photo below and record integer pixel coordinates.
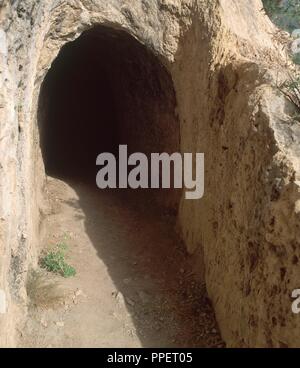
(43, 292)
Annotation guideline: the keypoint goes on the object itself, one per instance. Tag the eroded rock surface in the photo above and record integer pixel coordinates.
(223, 62)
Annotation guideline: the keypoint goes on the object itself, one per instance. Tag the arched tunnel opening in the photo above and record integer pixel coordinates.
(103, 90)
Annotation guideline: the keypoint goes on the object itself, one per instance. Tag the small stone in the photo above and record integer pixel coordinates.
(78, 292)
(214, 331)
(120, 299)
(44, 323)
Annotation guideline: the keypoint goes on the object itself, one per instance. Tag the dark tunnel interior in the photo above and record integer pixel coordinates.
(104, 89)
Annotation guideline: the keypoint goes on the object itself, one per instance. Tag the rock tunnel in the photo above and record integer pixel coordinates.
(103, 90)
(196, 77)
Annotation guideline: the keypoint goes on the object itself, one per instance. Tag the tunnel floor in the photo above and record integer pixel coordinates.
(133, 287)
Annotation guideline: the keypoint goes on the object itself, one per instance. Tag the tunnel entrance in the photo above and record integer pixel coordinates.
(106, 89)
(103, 90)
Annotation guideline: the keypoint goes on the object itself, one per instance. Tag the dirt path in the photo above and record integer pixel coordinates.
(132, 288)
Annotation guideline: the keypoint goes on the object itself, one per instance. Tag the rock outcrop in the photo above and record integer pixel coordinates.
(223, 61)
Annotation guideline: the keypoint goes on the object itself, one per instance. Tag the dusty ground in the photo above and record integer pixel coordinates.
(132, 288)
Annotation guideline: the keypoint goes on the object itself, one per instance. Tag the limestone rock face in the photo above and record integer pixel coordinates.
(223, 60)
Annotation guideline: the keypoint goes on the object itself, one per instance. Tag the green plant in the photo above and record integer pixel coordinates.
(296, 58)
(271, 7)
(284, 13)
(290, 88)
(54, 261)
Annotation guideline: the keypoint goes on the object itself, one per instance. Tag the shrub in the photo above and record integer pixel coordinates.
(291, 90)
(54, 261)
(284, 13)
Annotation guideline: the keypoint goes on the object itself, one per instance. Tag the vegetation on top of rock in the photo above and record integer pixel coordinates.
(286, 15)
(291, 90)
